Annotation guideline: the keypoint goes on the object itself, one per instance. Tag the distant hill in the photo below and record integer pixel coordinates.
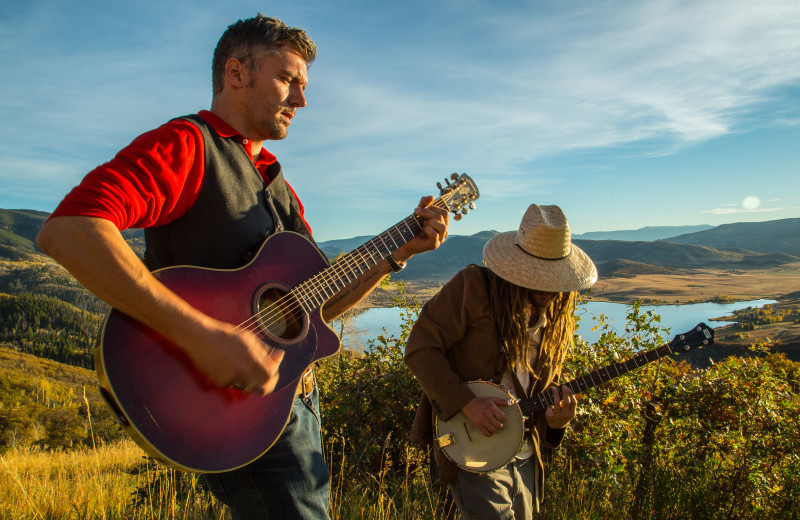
(334, 248)
(441, 264)
(18, 228)
(774, 236)
(645, 234)
(743, 246)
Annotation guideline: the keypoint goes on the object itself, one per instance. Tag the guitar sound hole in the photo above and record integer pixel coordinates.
(279, 314)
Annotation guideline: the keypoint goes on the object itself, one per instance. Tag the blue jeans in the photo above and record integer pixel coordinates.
(290, 481)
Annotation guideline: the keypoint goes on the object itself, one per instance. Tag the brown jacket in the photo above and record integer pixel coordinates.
(455, 341)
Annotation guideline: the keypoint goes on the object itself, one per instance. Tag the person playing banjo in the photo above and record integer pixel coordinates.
(508, 324)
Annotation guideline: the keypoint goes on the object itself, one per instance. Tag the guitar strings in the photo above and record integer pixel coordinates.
(587, 381)
(334, 274)
(329, 276)
(277, 310)
(306, 291)
(356, 260)
(311, 289)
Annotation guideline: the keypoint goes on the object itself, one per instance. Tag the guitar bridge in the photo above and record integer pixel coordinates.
(445, 440)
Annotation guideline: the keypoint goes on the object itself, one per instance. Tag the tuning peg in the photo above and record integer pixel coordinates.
(457, 216)
(453, 176)
(471, 205)
(439, 185)
(464, 210)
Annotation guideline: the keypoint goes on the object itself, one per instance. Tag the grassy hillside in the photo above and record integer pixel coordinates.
(42, 403)
(774, 236)
(22, 222)
(48, 327)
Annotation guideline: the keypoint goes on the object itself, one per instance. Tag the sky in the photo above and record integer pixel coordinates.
(625, 113)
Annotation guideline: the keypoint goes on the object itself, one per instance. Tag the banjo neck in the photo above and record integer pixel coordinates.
(700, 335)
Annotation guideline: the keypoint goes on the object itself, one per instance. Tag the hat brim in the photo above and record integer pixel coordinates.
(507, 260)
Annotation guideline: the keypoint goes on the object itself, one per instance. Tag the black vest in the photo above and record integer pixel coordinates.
(233, 215)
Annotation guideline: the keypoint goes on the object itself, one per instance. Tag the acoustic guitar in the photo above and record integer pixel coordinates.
(471, 450)
(173, 411)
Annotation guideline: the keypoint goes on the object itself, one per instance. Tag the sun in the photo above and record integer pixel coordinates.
(751, 202)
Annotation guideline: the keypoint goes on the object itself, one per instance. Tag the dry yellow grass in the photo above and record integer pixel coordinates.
(97, 483)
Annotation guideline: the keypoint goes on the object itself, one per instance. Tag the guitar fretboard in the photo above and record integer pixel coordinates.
(541, 401)
(315, 291)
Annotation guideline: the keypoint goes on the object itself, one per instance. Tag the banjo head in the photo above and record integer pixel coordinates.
(471, 450)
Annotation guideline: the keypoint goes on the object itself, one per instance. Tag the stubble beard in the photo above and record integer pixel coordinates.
(274, 129)
(266, 118)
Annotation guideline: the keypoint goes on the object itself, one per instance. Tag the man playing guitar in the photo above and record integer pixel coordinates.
(209, 195)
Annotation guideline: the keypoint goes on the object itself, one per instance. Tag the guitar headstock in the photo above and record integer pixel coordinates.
(700, 335)
(459, 195)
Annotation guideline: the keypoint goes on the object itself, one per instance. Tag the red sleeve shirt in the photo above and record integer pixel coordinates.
(155, 179)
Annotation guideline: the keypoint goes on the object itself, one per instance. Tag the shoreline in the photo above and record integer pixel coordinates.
(720, 286)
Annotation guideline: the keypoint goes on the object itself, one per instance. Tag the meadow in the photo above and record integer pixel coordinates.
(664, 442)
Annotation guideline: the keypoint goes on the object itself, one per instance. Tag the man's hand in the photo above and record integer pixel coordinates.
(93, 250)
(485, 414)
(235, 358)
(434, 230)
(563, 409)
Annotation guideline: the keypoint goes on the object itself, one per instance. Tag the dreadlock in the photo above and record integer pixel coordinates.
(512, 308)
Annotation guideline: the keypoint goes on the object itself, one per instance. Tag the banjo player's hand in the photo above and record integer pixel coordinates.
(485, 414)
(563, 409)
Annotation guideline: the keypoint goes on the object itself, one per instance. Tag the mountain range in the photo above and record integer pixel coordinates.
(741, 245)
(733, 246)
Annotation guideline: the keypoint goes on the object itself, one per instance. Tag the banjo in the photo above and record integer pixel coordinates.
(471, 450)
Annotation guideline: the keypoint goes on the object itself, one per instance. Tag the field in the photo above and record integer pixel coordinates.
(112, 481)
(726, 447)
(698, 285)
(685, 286)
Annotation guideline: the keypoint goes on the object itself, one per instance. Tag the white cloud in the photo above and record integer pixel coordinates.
(503, 94)
(731, 211)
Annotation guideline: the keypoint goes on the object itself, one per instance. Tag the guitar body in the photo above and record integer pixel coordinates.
(171, 409)
(471, 450)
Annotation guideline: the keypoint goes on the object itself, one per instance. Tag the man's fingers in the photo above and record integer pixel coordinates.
(426, 201)
(270, 363)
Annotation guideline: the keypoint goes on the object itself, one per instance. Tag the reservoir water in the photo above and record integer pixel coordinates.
(678, 318)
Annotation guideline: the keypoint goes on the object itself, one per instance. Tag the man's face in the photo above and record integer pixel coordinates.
(274, 92)
(540, 298)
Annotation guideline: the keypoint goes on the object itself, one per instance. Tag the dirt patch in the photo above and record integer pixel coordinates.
(700, 285)
(423, 291)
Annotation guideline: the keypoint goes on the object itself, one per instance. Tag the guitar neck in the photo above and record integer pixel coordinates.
(321, 287)
(543, 400)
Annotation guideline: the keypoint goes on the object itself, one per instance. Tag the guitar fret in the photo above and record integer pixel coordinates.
(315, 291)
(393, 240)
(411, 231)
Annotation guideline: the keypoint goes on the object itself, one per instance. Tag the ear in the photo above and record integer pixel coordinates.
(236, 73)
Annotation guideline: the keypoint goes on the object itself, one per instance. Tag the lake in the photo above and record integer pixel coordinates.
(679, 318)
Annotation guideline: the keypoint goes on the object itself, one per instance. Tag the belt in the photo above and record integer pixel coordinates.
(307, 382)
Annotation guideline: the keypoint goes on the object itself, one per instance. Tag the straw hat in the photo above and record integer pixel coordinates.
(540, 255)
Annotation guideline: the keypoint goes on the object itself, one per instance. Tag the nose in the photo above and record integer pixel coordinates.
(297, 98)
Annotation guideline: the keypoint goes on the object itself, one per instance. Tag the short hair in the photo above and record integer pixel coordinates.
(252, 39)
